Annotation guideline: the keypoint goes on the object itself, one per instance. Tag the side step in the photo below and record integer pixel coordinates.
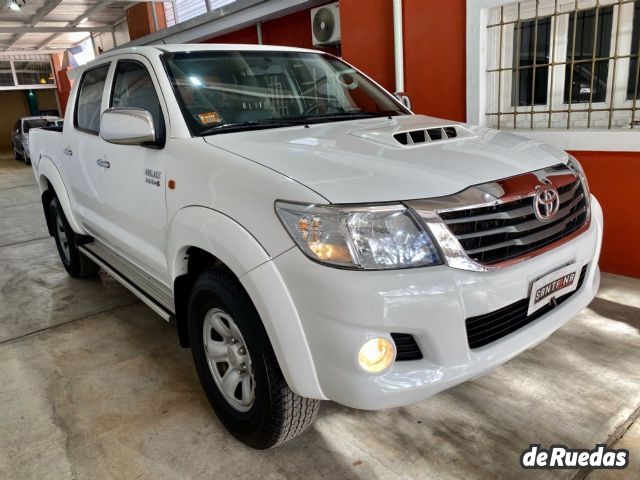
(153, 294)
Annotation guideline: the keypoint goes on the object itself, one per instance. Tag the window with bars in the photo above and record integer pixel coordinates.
(567, 64)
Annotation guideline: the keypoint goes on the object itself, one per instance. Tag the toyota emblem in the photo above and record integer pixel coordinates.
(546, 202)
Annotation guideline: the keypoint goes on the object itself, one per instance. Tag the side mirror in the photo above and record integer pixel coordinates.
(127, 126)
(403, 98)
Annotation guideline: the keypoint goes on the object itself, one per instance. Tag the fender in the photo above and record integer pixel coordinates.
(224, 238)
(282, 322)
(213, 232)
(47, 171)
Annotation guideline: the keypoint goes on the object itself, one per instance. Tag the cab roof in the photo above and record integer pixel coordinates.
(198, 47)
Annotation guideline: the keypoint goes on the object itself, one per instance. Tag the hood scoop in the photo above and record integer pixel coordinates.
(416, 137)
(430, 135)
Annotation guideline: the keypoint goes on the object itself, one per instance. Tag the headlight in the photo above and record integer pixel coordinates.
(575, 167)
(361, 237)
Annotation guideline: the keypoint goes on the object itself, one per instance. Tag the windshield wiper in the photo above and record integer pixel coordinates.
(332, 117)
(252, 125)
(291, 121)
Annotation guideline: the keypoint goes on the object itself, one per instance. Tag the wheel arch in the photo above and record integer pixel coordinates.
(51, 185)
(201, 238)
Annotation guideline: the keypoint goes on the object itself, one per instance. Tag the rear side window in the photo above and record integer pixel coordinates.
(87, 114)
(133, 87)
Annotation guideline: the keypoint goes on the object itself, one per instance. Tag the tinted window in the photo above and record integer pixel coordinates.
(592, 32)
(133, 87)
(87, 116)
(531, 48)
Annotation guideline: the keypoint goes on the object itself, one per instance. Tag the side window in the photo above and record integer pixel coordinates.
(87, 114)
(133, 87)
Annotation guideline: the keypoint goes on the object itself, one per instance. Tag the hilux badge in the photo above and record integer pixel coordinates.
(152, 176)
(546, 202)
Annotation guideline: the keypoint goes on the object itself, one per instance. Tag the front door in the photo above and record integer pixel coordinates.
(133, 184)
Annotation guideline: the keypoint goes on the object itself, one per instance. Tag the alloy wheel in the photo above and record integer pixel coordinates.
(229, 360)
(64, 240)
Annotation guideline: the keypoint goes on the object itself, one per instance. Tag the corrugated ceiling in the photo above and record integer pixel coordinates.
(65, 13)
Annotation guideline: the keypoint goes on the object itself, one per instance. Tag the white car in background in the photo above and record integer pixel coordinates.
(310, 237)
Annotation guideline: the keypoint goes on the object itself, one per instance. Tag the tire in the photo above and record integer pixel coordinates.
(74, 261)
(16, 155)
(262, 411)
(27, 160)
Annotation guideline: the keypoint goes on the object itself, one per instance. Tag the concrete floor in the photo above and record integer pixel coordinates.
(93, 385)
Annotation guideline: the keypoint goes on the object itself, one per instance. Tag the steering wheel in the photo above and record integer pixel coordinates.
(315, 108)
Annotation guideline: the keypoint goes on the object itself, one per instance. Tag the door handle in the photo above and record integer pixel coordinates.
(67, 151)
(103, 163)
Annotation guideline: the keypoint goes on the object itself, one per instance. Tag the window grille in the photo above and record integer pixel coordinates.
(566, 64)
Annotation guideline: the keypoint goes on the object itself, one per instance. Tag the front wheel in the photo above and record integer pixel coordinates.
(17, 155)
(238, 368)
(74, 261)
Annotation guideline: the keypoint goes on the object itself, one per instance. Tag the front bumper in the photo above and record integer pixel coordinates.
(340, 309)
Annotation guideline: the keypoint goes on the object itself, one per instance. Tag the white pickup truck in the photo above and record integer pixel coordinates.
(310, 237)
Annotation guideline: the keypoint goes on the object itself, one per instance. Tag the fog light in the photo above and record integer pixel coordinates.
(376, 355)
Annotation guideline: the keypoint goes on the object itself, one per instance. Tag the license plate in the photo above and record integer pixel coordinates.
(553, 285)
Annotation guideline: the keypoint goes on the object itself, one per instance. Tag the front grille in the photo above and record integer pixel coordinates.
(496, 233)
(406, 347)
(484, 329)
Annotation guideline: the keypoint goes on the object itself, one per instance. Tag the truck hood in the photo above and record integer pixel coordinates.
(366, 160)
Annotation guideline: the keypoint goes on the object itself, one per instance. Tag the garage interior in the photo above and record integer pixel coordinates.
(95, 385)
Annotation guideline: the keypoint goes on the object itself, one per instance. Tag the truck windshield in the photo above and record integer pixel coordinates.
(230, 91)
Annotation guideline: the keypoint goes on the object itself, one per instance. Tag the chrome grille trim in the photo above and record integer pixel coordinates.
(492, 216)
(492, 225)
(531, 224)
(529, 239)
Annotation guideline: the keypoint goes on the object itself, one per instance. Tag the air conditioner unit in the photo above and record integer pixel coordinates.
(325, 25)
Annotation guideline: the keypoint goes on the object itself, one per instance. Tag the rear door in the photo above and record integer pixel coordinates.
(134, 183)
(83, 148)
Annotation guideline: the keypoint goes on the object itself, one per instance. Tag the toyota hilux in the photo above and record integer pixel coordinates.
(310, 237)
